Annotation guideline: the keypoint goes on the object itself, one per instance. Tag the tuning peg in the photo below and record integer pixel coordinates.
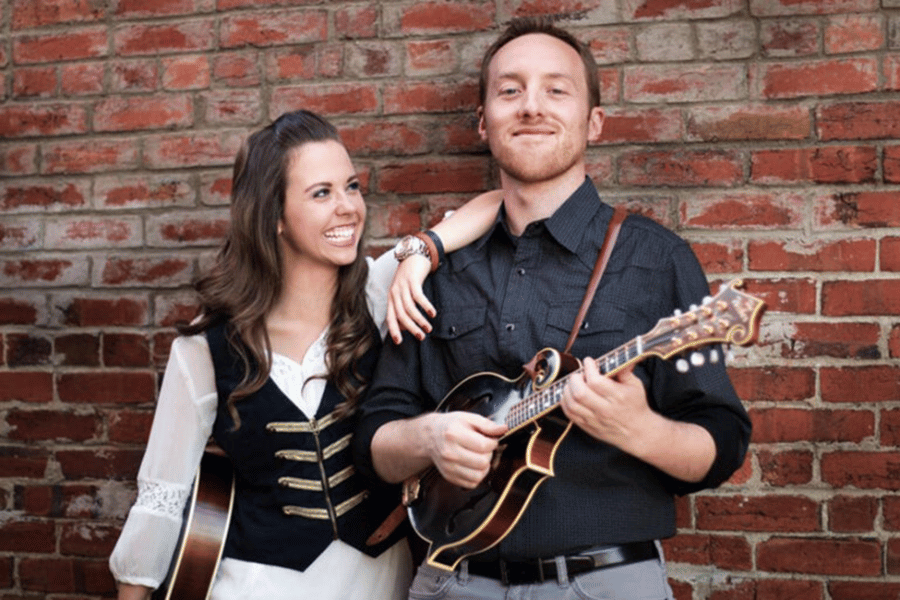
(694, 307)
(681, 365)
(714, 356)
(697, 359)
(707, 300)
(729, 357)
(677, 312)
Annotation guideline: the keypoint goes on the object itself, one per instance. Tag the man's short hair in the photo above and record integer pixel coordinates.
(526, 25)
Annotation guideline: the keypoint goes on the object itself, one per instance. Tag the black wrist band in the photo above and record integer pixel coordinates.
(437, 244)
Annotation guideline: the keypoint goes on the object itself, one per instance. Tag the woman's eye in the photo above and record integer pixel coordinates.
(354, 186)
(321, 193)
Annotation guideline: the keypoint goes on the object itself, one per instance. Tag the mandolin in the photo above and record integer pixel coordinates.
(459, 522)
(205, 526)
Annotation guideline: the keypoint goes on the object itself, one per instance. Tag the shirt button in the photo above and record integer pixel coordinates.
(452, 330)
(520, 271)
(510, 327)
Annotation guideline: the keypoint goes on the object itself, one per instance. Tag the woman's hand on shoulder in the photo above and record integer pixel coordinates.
(406, 301)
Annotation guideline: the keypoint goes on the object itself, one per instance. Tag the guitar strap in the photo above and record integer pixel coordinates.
(612, 233)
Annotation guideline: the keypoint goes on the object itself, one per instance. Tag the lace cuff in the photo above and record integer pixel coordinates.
(165, 499)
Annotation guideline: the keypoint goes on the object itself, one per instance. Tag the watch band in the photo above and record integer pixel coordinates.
(438, 244)
(433, 253)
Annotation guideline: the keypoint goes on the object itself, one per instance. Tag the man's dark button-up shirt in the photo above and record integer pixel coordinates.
(502, 299)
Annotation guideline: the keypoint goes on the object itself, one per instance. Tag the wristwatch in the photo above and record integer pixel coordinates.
(410, 245)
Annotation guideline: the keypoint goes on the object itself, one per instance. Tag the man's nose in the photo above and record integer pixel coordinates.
(532, 103)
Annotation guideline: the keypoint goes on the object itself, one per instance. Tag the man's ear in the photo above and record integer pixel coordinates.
(482, 129)
(595, 123)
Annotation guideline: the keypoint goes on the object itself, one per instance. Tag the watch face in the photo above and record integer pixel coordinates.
(408, 246)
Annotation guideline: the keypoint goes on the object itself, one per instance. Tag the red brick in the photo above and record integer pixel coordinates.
(776, 8)
(719, 551)
(395, 220)
(819, 556)
(428, 97)
(43, 272)
(31, 463)
(20, 235)
(854, 33)
(34, 82)
(684, 83)
(681, 168)
(862, 470)
(142, 270)
(144, 192)
(894, 342)
(860, 384)
(742, 209)
(28, 15)
(386, 138)
(785, 468)
(106, 387)
(891, 508)
(727, 40)
(77, 350)
(51, 425)
(67, 500)
(440, 17)
(892, 164)
(95, 156)
(720, 257)
(72, 233)
(817, 78)
(171, 309)
(768, 589)
(796, 425)
(162, 343)
(157, 8)
(22, 310)
(198, 149)
(27, 536)
(81, 79)
(829, 164)
(665, 42)
(610, 46)
(232, 107)
(838, 340)
(774, 383)
(852, 514)
(273, 28)
(26, 386)
(610, 88)
(126, 350)
(229, 4)
(60, 575)
(23, 350)
(181, 36)
(366, 60)
(842, 255)
(783, 38)
(57, 119)
(862, 590)
(872, 297)
(134, 76)
(642, 126)
(427, 177)
(113, 464)
(28, 196)
(860, 209)
(87, 539)
(890, 254)
(891, 68)
(20, 159)
(73, 44)
(858, 120)
(98, 312)
(356, 22)
(430, 57)
(186, 73)
(135, 114)
(35, 500)
(295, 62)
(236, 70)
(753, 122)
(129, 427)
(666, 9)
(747, 513)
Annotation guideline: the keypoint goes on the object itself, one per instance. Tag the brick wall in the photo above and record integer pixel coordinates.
(764, 131)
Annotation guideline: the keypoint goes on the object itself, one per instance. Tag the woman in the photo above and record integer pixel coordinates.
(273, 369)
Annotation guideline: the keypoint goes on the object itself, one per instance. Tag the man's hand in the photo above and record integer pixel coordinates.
(404, 296)
(461, 445)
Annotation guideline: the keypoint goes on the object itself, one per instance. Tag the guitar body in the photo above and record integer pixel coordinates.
(203, 533)
(459, 522)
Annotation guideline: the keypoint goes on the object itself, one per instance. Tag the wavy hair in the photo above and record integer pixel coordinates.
(245, 279)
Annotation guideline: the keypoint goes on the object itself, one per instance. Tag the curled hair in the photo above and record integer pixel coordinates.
(246, 280)
(526, 25)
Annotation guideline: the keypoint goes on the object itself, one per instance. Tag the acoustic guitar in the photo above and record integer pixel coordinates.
(204, 528)
(459, 522)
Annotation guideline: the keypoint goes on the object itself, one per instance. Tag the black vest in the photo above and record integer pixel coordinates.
(296, 486)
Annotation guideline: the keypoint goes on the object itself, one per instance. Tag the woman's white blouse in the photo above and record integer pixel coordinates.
(182, 424)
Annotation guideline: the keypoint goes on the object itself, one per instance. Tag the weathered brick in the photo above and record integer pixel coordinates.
(26, 386)
(199, 149)
(20, 234)
(99, 463)
(354, 22)
(81, 79)
(23, 309)
(817, 78)
(842, 255)
(684, 83)
(34, 82)
(890, 254)
(783, 468)
(73, 233)
(24, 462)
(852, 514)
(777, 8)
(748, 122)
(438, 17)
(215, 188)
(721, 551)
(425, 177)
(859, 209)
(386, 138)
(872, 297)
(838, 340)
(642, 126)
(77, 349)
(27, 196)
(59, 575)
(106, 387)
(46, 271)
(770, 589)
(681, 168)
(29, 15)
(73, 44)
(673, 41)
(858, 120)
(29, 121)
(158, 8)
(18, 159)
(261, 29)
(892, 164)
(28, 349)
(51, 425)
(894, 342)
(726, 40)
(232, 107)
(609, 45)
(236, 69)
(742, 210)
(776, 425)
(134, 76)
(431, 57)
(862, 590)
(774, 383)
(665, 9)
(368, 59)
(862, 470)
(824, 164)
(129, 427)
(854, 33)
(152, 191)
(748, 513)
(139, 113)
(180, 36)
(822, 556)
(423, 97)
(717, 257)
(88, 539)
(143, 270)
(95, 156)
(793, 37)
(30, 536)
(860, 384)
(126, 350)
(89, 311)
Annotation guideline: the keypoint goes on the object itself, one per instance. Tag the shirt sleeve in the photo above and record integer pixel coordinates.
(182, 424)
(381, 274)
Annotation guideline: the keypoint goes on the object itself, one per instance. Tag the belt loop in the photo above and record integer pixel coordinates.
(562, 573)
(504, 575)
(463, 575)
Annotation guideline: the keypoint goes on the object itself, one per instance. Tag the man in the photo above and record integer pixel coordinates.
(638, 438)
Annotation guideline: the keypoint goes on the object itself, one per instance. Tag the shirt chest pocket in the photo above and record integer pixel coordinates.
(603, 327)
(460, 332)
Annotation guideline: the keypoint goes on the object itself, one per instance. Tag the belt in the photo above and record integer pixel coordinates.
(543, 569)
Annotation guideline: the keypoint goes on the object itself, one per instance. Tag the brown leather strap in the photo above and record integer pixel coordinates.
(612, 232)
(393, 520)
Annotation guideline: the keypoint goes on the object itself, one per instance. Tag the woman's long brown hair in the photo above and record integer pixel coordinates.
(245, 280)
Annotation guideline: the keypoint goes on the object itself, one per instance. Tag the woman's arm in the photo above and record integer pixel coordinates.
(133, 592)
(469, 222)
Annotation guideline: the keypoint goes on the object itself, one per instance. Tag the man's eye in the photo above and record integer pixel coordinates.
(508, 91)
